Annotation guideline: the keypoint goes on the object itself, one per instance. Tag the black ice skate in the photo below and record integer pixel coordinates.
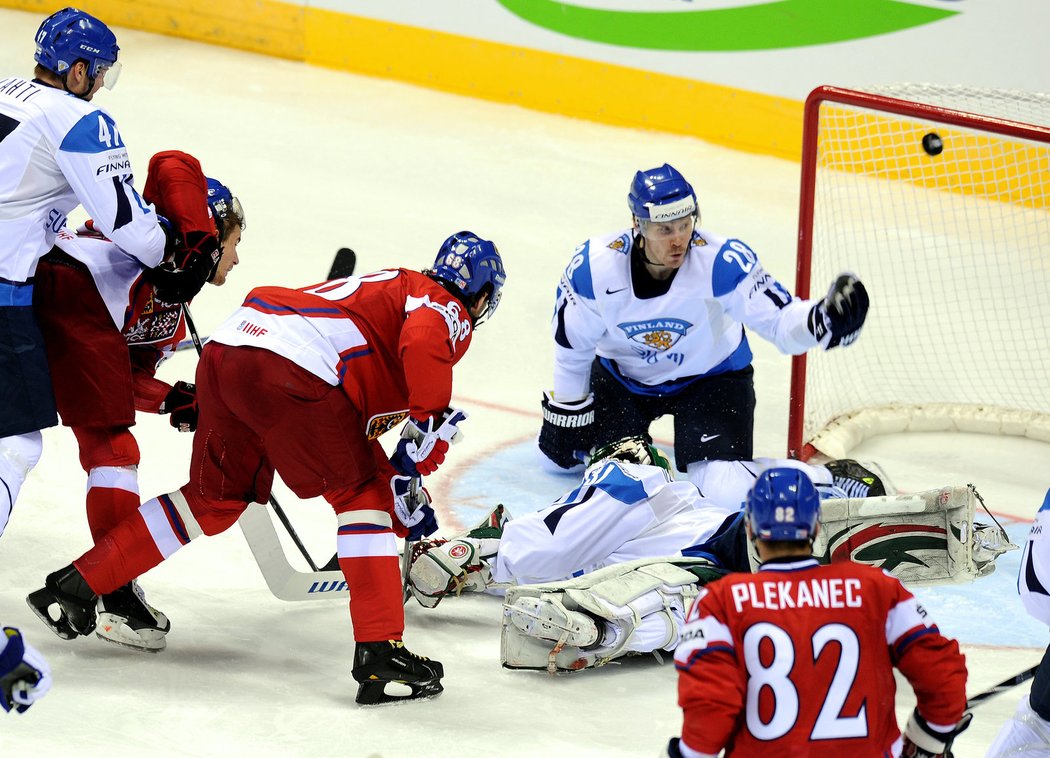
(126, 619)
(66, 604)
(855, 480)
(377, 664)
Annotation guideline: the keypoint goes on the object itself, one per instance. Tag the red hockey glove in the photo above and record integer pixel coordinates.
(422, 447)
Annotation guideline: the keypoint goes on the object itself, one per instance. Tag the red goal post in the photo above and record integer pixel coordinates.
(938, 198)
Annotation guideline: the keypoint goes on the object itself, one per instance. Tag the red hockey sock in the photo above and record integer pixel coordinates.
(376, 607)
(122, 554)
(107, 506)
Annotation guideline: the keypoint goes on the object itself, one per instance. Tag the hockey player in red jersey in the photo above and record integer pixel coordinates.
(797, 659)
(305, 382)
(106, 329)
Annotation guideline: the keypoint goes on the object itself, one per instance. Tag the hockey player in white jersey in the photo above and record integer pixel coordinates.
(57, 151)
(1027, 733)
(25, 676)
(650, 321)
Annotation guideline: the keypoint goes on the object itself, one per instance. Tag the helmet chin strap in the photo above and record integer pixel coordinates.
(645, 258)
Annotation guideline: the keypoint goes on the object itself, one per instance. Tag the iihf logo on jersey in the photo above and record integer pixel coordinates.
(656, 334)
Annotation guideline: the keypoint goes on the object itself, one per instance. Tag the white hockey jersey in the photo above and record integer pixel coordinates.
(56, 152)
(1034, 580)
(620, 512)
(692, 330)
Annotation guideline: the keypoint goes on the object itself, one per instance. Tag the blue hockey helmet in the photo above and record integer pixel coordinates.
(784, 505)
(661, 194)
(469, 267)
(634, 449)
(225, 207)
(70, 35)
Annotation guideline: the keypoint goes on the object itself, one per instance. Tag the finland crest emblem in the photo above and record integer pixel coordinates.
(656, 334)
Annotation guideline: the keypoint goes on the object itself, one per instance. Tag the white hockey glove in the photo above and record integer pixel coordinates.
(424, 443)
(841, 313)
(25, 676)
(412, 507)
(921, 740)
(568, 430)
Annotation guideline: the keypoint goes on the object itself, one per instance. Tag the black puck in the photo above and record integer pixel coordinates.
(932, 143)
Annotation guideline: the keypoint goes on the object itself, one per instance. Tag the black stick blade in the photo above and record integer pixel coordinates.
(343, 265)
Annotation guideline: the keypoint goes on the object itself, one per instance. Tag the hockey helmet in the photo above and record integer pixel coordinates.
(659, 195)
(634, 449)
(469, 267)
(70, 35)
(225, 207)
(783, 505)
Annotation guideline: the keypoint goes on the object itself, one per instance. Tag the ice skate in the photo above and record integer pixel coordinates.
(377, 664)
(66, 604)
(126, 619)
(856, 480)
(552, 621)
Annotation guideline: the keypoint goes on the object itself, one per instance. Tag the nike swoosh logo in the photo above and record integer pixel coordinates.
(758, 26)
(613, 292)
(708, 437)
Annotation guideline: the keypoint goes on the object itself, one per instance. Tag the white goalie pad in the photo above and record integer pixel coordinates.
(923, 538)
(656, 591)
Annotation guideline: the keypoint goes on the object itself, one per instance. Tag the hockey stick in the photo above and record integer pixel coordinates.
(344, 263)
(192, 329)
(1004, 685)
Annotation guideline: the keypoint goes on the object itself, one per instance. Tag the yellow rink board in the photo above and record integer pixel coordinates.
(534, 79)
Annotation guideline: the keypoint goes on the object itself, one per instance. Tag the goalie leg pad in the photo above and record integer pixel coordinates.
(922, 538)
(618, 598)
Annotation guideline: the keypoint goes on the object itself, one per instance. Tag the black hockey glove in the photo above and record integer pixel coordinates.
(922, 741)
(842, 312)
(181, 403)
(193, 261)
(568, 430)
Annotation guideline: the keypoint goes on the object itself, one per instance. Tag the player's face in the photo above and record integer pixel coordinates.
(229, 257)
(667, 242)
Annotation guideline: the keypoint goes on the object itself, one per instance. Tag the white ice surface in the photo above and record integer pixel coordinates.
(323, 160)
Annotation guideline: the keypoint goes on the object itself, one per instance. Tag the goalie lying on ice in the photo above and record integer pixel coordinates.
(609, 568)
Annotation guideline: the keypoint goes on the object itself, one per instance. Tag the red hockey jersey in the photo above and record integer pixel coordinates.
(797, 660)
(390, 338)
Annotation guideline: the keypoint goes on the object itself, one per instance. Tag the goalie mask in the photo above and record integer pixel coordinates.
(783, 505)
(632, 450)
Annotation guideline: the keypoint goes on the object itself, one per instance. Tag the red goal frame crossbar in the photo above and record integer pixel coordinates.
(797, 447)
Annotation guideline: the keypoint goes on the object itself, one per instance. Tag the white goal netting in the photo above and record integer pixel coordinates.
(946, 219)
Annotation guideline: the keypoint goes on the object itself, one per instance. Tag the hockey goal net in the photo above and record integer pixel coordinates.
(938, 198)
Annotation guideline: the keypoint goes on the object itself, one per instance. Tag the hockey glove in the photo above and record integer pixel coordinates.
(194, 260)
(181, 403)
(25, 676)
(674, 750)
(412, 507)
(841, 313)
(424, 443)
(923, 741)
(568, 430)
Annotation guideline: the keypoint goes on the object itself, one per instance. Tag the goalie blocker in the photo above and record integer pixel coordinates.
(922, 539)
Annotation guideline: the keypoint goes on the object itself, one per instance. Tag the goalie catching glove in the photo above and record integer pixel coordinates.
(181, 403)
(424, 443)
(568, 430)
(841, 314)
(192, 263)
(412, 507)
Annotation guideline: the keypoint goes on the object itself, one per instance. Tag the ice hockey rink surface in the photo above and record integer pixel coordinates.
(323, 160)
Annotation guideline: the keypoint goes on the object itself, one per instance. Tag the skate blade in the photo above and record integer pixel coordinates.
(374, 693)
(116, 632)
(41, 605)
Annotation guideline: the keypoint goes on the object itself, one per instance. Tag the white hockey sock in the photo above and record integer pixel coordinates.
(18, 455)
